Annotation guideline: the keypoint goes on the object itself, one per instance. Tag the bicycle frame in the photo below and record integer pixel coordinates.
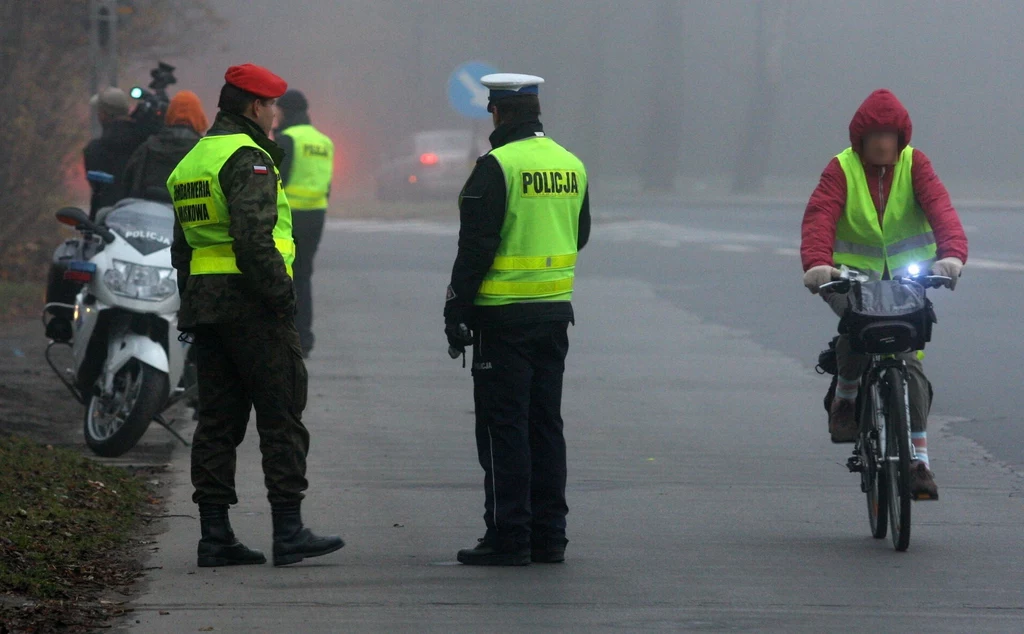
(873, 380)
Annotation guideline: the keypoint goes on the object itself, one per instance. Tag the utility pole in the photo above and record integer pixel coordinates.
(663, 136)
(102, 48)
(755, 145)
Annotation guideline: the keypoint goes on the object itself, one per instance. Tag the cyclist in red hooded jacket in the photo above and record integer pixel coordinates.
(880, 176)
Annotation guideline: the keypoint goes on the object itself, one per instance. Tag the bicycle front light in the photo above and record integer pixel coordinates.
(136, 281)
(914, 270)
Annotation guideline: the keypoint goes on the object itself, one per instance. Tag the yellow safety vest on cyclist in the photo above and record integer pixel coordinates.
(904, 238)
(536, 261)
(312, 166)
(202, 207)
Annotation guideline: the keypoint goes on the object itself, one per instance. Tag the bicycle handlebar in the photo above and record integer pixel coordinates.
(927, 281)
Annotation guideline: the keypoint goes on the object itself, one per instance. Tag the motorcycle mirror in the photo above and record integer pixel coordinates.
(75, 217)
(72, 216)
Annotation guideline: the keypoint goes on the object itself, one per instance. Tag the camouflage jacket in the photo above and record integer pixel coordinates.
(264, 290)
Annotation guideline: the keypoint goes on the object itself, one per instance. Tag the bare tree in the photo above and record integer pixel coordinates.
(597, 26)
(755, 146)
(44, 78)
(663, 138)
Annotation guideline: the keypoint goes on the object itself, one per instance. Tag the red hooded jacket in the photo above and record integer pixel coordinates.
(881, 110)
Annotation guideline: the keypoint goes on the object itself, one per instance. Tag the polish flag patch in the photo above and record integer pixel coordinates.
(260, 169)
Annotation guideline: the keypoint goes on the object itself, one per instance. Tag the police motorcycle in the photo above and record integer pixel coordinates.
(128, 366)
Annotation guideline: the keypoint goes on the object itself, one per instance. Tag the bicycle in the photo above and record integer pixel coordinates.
(895, 318)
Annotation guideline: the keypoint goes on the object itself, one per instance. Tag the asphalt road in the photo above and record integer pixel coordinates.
(704, 493)
(739, 267)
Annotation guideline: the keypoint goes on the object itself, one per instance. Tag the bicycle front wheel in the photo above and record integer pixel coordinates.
(873, 481)
(897, 457)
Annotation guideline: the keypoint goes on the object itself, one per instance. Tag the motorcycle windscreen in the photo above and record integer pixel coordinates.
(146, 225)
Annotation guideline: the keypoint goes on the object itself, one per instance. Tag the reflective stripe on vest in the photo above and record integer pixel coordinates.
(903, 238)
(220, 258)
(201, 207)
(312, 166)
(536, 259)
(541, 263)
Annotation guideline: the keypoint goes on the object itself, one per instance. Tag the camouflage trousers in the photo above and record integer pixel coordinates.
(242, 366)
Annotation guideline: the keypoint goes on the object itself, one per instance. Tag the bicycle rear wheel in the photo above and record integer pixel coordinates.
(897, 458)
(873, 481)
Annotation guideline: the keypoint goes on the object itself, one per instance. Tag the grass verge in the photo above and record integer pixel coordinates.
(65, 526)
(20, 299)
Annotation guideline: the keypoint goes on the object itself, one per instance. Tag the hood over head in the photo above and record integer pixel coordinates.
(880, 111)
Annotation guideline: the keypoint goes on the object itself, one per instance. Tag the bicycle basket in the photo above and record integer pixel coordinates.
(888, 317)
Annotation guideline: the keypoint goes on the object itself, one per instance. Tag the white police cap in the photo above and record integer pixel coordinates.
(504, 85)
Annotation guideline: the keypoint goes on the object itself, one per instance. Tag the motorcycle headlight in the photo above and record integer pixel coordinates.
(148, 283)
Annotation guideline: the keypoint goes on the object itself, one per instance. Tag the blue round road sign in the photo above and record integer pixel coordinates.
(465, 92)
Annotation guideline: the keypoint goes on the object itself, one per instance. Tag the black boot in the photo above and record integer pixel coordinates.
(490, 551)
(293, 542)
(218, 546)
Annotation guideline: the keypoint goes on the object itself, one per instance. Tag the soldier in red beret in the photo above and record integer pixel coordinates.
(233, 251)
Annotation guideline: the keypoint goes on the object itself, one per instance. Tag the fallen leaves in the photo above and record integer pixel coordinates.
(66, 523)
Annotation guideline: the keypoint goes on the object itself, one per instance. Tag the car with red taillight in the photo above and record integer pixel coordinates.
(429, 164)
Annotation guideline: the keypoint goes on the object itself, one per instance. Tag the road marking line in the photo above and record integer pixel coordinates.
(735, 248)
(995, 265)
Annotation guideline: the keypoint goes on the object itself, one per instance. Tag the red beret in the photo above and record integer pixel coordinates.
(257, 80)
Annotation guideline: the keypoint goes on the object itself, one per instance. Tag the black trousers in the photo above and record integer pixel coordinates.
(517, 380)
(307, 229)
(242, 366)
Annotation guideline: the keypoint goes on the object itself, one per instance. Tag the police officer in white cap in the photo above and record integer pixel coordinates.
(525, 214)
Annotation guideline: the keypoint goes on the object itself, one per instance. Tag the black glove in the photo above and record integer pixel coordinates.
(459, 336)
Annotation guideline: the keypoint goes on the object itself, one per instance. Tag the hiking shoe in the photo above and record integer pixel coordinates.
(922, 482)
(842, 421)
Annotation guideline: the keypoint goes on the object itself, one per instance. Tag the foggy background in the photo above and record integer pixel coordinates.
(638, 87)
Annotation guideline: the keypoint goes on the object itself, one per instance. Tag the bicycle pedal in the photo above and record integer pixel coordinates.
(854, 465)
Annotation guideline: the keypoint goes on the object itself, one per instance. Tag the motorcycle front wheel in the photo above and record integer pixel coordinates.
(115, 422)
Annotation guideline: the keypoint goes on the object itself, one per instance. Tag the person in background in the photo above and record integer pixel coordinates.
(151, 164)
(110, 152)
(306, 172)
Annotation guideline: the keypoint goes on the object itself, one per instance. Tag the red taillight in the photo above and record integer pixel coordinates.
(78, 276)
(429, 158)
(79, 271)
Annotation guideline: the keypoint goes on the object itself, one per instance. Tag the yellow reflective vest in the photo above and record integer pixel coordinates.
(904, 236)
(536, 260)
(312, 166)
(202, 208)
